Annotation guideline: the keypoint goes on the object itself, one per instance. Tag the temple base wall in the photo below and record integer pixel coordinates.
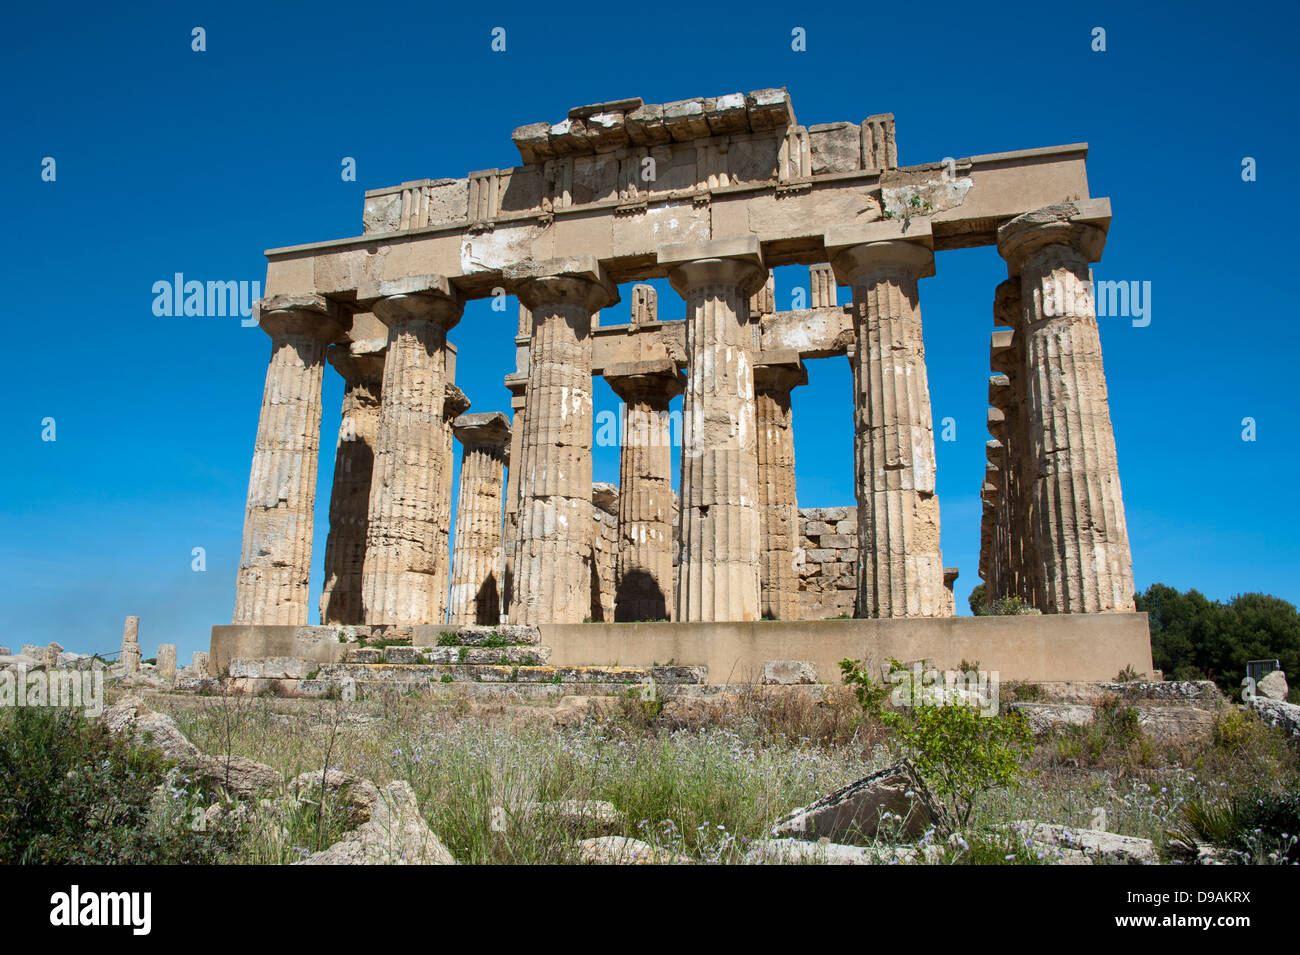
(1084, 647)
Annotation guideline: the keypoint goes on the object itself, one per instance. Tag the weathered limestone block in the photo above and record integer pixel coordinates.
(822, 289)
(275, 563)
(644, 588)
(394, 833)
(167, 661)
(479, 560)
(362, 368)
(789, 672)
(900, 570)
(402, 555)
(1077, 512)
(131, 646)
(553, 578)
(835, 147)
(199, 663)
(718, 577)
(1273, 685)
(779, 509)
(857, 811)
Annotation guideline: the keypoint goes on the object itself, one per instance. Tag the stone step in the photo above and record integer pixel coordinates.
(479, 636)
(515, 655)
(422, 674)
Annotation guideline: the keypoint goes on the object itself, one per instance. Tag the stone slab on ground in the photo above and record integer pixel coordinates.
(394, 834)
(621, 850)
(1094, 844)
(858, 812)
(1285, 716)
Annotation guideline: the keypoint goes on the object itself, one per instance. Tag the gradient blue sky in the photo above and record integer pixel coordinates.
(174, 161)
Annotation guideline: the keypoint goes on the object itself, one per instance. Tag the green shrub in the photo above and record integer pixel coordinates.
(1254, 827)
(960, 754)
(72, 794)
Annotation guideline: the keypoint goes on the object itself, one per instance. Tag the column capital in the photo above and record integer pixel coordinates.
(485, 429)
(1002, 352)
(737, 262)
(314, 316)
(633, 379)
(1080, 225)
(1007, 304)
(579, 279)
(454, 401)
(1001, 395)
(856, 251)
(779, 371)
(359, 362)
(413, 298)
(997, 421)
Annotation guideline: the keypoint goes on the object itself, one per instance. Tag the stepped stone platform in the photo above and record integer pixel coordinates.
(382, 659)
(1051, 647)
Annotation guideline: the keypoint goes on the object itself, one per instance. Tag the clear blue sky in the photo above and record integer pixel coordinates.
(174, 161)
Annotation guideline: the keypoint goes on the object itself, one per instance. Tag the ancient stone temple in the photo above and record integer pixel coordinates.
(710, 194)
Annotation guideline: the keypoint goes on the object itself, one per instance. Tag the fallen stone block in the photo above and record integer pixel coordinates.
(1096, 845)
(789, 672)
(575, 815)
(1273, 686)
(238, 775)
(621, 850)
(822, 852)
(892, 801)
(273, 668)
(394, 834)
(1285, 716)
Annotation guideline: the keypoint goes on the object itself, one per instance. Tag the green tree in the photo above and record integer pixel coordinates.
(1195, 638)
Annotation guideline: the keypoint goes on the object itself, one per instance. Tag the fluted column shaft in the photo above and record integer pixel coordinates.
(275, 562)
(478, 559)
(1076, 505)
(354, 459)
(552, 576)
(510, 532)
(900, 566)
(454, 404)
(402, 538)
(644, 576)
(718, 572)
(779, 510)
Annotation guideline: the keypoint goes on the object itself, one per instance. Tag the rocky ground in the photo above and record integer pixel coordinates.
(740, 775)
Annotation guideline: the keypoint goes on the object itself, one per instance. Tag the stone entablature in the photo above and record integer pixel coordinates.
(629, 154)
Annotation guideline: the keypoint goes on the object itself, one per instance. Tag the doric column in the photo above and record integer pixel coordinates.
(275, 564)
(644, 579)
(552, 576)
(510, 533)
(455, 403)
(1077, 509)
(718, 572)
(1006, 357)
(478, 560)
(402, 554)
(900, 567)
(354, 460)
(778, 516)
